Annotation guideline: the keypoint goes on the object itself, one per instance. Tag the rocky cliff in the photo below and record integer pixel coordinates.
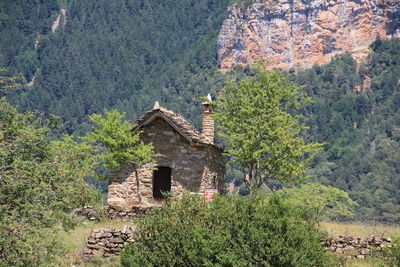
(300, 33)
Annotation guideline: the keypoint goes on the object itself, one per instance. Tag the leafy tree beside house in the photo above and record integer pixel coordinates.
(119, 146)
(257, 119)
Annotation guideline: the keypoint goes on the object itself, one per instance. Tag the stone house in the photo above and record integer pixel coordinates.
(189, 160)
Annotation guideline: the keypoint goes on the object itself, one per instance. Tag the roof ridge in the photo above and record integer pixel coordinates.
(185, 127)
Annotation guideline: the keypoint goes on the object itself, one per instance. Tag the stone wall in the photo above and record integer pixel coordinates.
(88, 212)
(207, 121)
(107, 242)
(355, 247)
(194, 168)
(127, 213)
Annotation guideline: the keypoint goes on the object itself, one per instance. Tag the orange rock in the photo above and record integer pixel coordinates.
(299, 34)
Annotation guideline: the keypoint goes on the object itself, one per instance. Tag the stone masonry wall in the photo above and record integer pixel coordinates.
(207, 121)
(194, 168)
(107, 242)
(355, 247)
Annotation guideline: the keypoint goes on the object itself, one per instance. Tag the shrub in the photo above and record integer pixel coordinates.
(234, 231)
(391, 255)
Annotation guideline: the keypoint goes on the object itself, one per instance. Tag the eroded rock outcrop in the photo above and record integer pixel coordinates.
(300, 33)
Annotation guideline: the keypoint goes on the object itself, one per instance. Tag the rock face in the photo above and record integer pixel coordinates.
(300, 33)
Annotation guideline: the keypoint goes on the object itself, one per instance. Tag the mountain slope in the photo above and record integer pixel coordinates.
(122, 54)
(127, 54)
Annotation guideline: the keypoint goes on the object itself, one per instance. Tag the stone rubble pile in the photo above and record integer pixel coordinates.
(126, 214)
(88, 212)
(113, 213)
(107, 242)
(355, 247)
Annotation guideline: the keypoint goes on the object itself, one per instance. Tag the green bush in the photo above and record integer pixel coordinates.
(391, 255)
(234, 231)
(41, 182)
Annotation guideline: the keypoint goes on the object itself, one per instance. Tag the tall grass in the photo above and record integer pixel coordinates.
(360, 229)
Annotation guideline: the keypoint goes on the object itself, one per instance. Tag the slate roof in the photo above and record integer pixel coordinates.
(178, 122)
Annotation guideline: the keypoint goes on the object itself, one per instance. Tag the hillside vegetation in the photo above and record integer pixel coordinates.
(126, 54)
(355, 113)
(361, 128)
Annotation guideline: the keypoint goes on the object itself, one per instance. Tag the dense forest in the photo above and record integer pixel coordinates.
(119, 54)
(356, 114)
(126, 54)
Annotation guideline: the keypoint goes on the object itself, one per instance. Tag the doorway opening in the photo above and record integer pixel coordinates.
(161, 182)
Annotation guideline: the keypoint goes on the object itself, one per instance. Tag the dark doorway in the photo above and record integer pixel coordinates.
(161, 181)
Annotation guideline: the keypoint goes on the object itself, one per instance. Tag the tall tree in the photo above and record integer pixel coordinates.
(256, 118)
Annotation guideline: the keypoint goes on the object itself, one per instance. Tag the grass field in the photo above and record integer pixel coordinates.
(74, 241)
(360, 229)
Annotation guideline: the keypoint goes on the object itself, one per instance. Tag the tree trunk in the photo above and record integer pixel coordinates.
(137, 183)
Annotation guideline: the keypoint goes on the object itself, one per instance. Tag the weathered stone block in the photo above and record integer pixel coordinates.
(92, 246)
(117, 240)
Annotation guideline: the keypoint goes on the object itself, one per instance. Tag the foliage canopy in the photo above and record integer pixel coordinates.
(234, 231)
(41, 182)
(255, 117)
(119, 145)
(325, 202)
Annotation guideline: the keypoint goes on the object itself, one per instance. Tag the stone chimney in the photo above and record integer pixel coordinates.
(207, 121)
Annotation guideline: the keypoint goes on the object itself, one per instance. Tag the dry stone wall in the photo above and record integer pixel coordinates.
(113, 213)
(127, 214)
(107, 242)
(88, 212)
(355, 247)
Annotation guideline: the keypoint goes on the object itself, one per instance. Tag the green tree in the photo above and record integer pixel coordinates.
(41, 182)
(119, 145)
(8, 83)
(325, 202)
(256, 118)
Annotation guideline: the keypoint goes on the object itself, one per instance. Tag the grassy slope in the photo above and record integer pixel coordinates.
(74, 241)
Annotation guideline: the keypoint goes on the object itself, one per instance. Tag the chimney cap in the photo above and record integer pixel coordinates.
(208, 100)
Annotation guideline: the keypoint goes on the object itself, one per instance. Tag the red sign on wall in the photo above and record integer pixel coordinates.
(210, 195)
